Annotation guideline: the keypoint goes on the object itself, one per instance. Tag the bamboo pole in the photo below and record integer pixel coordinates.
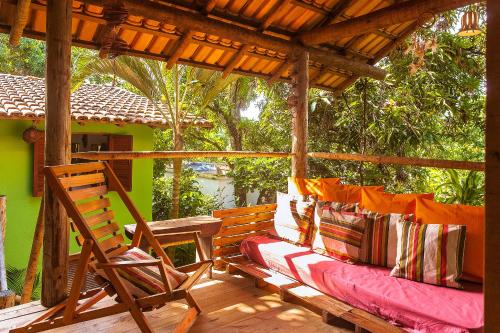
(398, 160)
(492, 223)
(7, 297)
(132, 155)
(197, 22)
(399, 13)
(36, 247)
(57, 148)
(298, 103)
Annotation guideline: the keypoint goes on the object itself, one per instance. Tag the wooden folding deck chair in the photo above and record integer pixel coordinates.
(139, 281)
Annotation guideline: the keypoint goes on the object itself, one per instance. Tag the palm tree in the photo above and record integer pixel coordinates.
(175, 93)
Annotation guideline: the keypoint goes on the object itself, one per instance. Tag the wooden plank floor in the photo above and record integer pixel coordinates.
(230, 304)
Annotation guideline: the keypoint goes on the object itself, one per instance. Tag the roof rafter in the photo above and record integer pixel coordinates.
(182, 44)
(235, 60)
(385, 17)
(198, 22)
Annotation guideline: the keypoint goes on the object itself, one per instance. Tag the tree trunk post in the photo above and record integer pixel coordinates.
(57, 147)
(7, 297)
(36, 247)
(298, 103)
(492, 225)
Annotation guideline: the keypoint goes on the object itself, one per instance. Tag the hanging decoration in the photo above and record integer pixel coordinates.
(470, 24)
(420, 45)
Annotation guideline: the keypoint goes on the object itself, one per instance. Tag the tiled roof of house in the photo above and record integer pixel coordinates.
(23, 97)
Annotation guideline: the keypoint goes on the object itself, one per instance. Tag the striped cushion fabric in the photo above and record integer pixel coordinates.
(293, 219)
(328, 206)
(340, 233)
(430, 253)
(146, 280)
(381, 238)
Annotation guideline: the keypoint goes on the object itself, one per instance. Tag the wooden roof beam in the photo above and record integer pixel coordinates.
(386, 17)
(182, 44)
(279, 72)
(20, 21)
(235, 60)
(380, 54)
(199, 22)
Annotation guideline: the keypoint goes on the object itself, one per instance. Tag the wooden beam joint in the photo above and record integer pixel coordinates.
(111, 45)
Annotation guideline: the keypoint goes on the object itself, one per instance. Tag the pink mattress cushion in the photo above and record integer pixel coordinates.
(415, 306)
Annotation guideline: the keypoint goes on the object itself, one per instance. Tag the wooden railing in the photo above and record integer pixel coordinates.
(395, 160)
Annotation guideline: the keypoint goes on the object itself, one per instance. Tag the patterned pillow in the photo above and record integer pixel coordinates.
(144, 280)
(340, 232)
(381, 238)
(329, 206)
(430, 253)
(293, 219)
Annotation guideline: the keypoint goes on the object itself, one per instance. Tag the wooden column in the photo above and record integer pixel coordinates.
(57, 147)
(492, 229)
(298, 103)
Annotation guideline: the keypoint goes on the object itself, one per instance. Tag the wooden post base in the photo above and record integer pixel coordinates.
(7, 299)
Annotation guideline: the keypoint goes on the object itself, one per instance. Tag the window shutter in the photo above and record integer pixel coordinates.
(38, 162)
(122, 168)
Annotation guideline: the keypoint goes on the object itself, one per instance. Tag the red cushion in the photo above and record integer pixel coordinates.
(418, 307)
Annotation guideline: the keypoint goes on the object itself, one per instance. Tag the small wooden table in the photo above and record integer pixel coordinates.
(206, 225)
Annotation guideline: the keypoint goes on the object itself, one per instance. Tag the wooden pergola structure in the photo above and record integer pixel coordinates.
(326, 44)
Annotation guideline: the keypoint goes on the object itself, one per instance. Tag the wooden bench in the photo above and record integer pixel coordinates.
(240, 223)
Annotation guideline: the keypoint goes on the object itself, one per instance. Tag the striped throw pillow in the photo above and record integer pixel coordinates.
(293, 219)
(340, 235)
(329, 206)
(381, 238)
(144, 280)
(430, 253)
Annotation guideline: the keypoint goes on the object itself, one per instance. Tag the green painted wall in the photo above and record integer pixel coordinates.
(16, 177)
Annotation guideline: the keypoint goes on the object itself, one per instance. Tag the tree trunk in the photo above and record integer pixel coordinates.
(177, 172)
(236, 140)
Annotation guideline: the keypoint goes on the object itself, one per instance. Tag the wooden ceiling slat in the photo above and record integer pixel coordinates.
(197, 22)
(157, 35)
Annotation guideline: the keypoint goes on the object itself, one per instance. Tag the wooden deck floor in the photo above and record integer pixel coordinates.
(229, 303)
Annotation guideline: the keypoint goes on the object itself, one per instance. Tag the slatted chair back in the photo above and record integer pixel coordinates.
(83, 190)
(88, 190)
(238, 224)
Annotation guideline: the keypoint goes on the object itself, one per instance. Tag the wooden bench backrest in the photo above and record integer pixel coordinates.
(238, 224)
(86, 186)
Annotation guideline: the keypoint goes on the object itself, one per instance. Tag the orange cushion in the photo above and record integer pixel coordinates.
(309, 186)
(387, 203)
(430, 212)
(346, 193)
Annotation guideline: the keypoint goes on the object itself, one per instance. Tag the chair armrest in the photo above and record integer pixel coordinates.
(192, 267)
(141, 263)
(135, 263)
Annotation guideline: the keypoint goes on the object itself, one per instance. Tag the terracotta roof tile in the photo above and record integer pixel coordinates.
(23, 97)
